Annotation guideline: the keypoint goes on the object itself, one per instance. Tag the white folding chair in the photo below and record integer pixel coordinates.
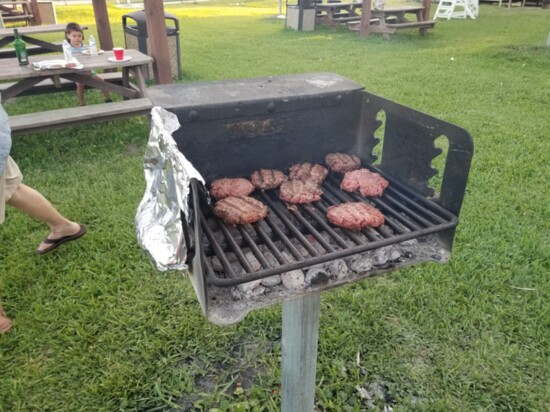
(472, 8)
(447, 9)
(457, 9)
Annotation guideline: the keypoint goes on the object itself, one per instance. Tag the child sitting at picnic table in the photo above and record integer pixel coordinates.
(75, 36)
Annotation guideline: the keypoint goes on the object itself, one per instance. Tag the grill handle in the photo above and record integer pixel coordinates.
(193, 205)
(188, 238)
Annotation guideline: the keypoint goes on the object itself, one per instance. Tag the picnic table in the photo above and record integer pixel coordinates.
(26, 78)
(388, 20)
(16, 11)
(333, 13)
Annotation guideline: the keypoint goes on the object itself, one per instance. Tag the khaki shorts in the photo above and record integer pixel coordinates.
(9, 182)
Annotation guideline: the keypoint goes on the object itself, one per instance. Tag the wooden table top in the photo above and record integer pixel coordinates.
(331, 6)
(26, 30)
(10, 69)
(410, 9)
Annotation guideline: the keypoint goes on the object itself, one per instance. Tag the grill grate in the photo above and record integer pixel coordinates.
(302, 236)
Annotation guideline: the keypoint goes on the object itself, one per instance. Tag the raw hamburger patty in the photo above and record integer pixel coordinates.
(222, 188)
(300, 191)
(240, 210)
(355, 215)
(368, 183)
(342, 162)
(266, 179)
(308, 171)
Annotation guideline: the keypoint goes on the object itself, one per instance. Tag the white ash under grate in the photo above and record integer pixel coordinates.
(233, 304)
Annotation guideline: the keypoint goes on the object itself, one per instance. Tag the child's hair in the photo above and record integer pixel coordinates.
(73, 27)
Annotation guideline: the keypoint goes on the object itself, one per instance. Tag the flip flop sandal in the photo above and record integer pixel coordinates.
(58, 242)
(5, 324)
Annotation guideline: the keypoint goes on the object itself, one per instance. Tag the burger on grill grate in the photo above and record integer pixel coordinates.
(342, 162)
(240, 210)
(266, 179)
(222, 188)
(368, 183)
(300, 191)
(308, 171)
(355, 215)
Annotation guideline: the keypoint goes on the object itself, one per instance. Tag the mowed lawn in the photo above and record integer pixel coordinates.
(97, 328)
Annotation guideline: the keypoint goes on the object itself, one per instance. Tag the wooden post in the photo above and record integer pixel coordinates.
(426, 12)
(365, 18)
(35, 10)
(104, 34)
(158, 40)
(299, 352)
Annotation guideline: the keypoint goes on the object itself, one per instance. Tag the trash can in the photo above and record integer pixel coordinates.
(135, 37)
(300, 15)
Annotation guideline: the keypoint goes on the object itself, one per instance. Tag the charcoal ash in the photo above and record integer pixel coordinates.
(316, 244)
(300, 248)
(317, 275)
(254, 287)
(271, 280)
(386, 254)
(360, 263)
(337, 269)
(408, 245)
(232, 304)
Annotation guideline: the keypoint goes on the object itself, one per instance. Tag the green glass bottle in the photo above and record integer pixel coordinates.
(20, 49)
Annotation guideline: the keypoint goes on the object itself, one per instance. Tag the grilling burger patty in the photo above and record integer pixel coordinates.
(342, 162)
(240, 210)
(355, 215)
(368, 183)
(300, 191)
(222, 188)
(266, 179)
(308, 171)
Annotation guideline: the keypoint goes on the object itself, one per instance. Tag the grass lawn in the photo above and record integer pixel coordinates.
(96, 328)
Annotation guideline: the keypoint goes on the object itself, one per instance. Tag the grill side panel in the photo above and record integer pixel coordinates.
(408, 150)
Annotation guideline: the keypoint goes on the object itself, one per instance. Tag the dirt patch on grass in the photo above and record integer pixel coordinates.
(239, 371)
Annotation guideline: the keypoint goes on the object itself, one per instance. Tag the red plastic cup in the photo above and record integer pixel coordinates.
(119, 53)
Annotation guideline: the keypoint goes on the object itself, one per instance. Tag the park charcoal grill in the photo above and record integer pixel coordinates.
(231, 128)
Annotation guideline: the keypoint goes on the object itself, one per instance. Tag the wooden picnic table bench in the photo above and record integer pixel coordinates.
(74, 116)
(135, 100)
(50, 85)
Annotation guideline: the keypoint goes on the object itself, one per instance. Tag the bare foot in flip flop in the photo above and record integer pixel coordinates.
(71, 231)
(5, 323)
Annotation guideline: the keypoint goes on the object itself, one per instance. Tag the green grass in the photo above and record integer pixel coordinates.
(97, 328)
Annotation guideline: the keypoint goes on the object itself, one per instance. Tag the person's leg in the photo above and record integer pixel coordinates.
(80, 94)
(106, 94)
(34, 204)
(5, 323)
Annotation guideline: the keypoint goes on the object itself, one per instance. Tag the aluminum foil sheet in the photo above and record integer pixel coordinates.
(168, 175)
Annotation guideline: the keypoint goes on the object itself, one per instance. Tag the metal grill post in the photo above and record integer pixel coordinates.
(299, 351)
